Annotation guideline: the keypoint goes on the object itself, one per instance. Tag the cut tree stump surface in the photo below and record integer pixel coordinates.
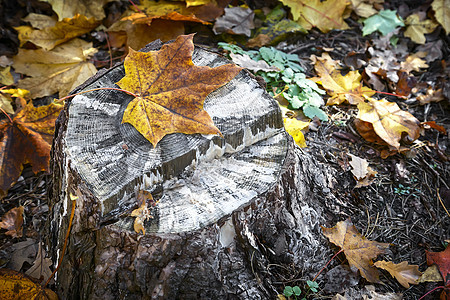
(227, 207)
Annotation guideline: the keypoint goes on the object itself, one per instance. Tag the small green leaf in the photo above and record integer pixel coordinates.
(288, 291)
(297, 291)
(312, 285)
(314, 111)
(385, 22)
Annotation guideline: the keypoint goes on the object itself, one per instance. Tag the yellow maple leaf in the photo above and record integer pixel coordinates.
(404, 273)
(384, 122)
(49, 37)
(323, 14)
(358, 250)
(15, 285)
(170, 90)
(341, 88)
(294, 127)
(417, 29)
(59, 70)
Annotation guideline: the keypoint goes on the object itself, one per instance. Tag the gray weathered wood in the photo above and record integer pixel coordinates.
(227, 207)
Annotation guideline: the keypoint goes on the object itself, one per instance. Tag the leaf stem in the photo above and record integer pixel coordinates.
(429, 292)
(104, 88)
(137, 8)
(6, 115)
(327, 264)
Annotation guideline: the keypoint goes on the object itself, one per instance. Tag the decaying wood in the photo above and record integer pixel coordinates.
(228, 208)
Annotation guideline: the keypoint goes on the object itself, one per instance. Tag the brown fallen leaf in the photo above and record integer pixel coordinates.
(41, 266)
(142, 213)
(13, 221)
(431, 274)
(246, 62)
(365, 8)
(359, 166)
(414, 62)
(59, 70)
(383, 122)
(15, 285)
(432, 124)
(5, 76)
(49, 37)
(26, 140)
(431, 96)
(323, 14)
(69, 8)
(236, 20)
(442, 13)
(40, 21)
(404, 273)
(358, 250)
(170, 90)
(24, 251)
(341, 88)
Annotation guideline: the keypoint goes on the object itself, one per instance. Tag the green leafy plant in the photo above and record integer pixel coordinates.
(292, 291)
(385, 22)
(289, 81)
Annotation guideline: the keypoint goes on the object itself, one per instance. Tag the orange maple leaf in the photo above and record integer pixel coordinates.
(171, 90)
(27, 139)
(358, 250)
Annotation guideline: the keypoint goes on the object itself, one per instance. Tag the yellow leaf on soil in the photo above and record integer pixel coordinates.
(15, 285)
(417, 29)
(69, 8)
(342, 88)
(404, 273)
(442, 13)
(294, 127)
(49, 37)
(386, 121)
(59, 70)
(323, 14)
(364, 8)
(171, 90)
(358, 250)
(40, 21)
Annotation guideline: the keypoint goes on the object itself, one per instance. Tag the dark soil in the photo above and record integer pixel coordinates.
(407, 205)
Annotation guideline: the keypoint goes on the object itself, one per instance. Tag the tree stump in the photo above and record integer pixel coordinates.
(227, 207)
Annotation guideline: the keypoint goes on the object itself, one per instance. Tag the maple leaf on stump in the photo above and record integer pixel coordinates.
(358, 250)
(27, 140)
(171, 90)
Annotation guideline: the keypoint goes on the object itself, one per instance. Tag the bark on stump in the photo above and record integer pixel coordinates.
(228, 207)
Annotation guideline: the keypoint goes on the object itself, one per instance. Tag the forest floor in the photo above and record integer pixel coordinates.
(407, 204)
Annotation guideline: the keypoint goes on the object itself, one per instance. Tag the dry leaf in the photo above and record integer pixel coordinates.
(342, 88)
(27, 139)
(41, 266)
(364, 8)
(414, 62)
(432, 124)
(442, 13)
(294, 127)
(40, 21)
(171, 90)
(404, 273)
(358, 250)
(140, 18)
(385, 120)
(13, 221)
(417, 29)
(5, 76)
(236, 20)
(442, 260)
(5, 103)
(359, 166)
(69, 8)
(246, 62)
(49, 37)
(431, 96)
(431, 274)
(142, 213)
(323, 14)
(59, 70)
(368, 179)
(23, 252)
(15, 285)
